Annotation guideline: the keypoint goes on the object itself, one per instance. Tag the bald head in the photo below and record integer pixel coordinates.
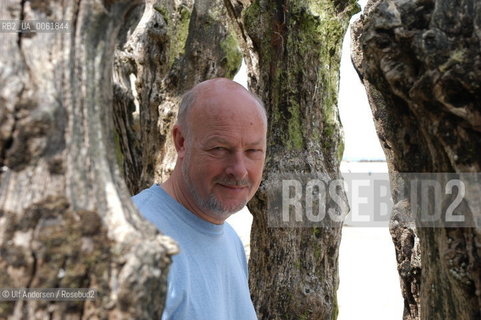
(209, 94)
(220, 138)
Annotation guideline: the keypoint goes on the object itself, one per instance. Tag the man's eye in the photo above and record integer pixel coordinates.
(255, 153)
(218, 150)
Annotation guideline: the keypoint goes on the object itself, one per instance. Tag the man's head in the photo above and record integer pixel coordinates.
(220, 137)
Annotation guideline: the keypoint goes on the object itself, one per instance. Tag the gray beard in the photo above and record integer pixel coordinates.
(211, 204)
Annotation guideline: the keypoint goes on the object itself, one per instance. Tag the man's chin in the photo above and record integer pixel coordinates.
(231, 209)
(237, 208)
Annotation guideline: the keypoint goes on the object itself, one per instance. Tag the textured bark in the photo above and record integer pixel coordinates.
(419, 61)
(66, 220)
(293, 54)
(175, 46)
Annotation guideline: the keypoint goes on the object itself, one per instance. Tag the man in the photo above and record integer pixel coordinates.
(220, 138)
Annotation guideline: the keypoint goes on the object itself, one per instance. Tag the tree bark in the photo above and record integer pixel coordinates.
(66, 218)
(292, 50)
(174, 46)
(419, 61)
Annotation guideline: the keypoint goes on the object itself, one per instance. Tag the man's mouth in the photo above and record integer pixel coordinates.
(234, 187)
(233, 184)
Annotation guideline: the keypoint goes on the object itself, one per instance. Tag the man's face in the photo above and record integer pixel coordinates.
(224, 152)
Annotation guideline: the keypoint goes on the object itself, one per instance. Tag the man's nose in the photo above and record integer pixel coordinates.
(237, 166)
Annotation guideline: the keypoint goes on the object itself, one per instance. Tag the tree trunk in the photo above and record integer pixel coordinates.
(175, 46)
(66, 219)
(419, 61)
(293, 54)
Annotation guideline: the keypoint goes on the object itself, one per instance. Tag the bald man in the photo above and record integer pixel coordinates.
(220, 138)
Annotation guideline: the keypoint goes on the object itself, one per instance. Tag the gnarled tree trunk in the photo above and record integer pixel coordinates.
(174, 46)
(293, 54)
(419, 61)
(66, 220)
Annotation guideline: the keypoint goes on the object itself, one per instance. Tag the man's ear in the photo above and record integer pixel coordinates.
(179, 140)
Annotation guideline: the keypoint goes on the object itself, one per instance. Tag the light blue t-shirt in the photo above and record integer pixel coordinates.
(208, 278)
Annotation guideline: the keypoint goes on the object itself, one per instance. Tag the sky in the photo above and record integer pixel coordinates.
(360, 138)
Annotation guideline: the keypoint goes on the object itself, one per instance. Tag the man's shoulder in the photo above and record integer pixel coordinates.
(153, 205)
(153, 196)
(143, 195)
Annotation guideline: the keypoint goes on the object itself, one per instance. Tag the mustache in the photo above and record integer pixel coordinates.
(233, 182)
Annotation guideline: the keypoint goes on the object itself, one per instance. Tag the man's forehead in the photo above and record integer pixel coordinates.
(222, 139)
